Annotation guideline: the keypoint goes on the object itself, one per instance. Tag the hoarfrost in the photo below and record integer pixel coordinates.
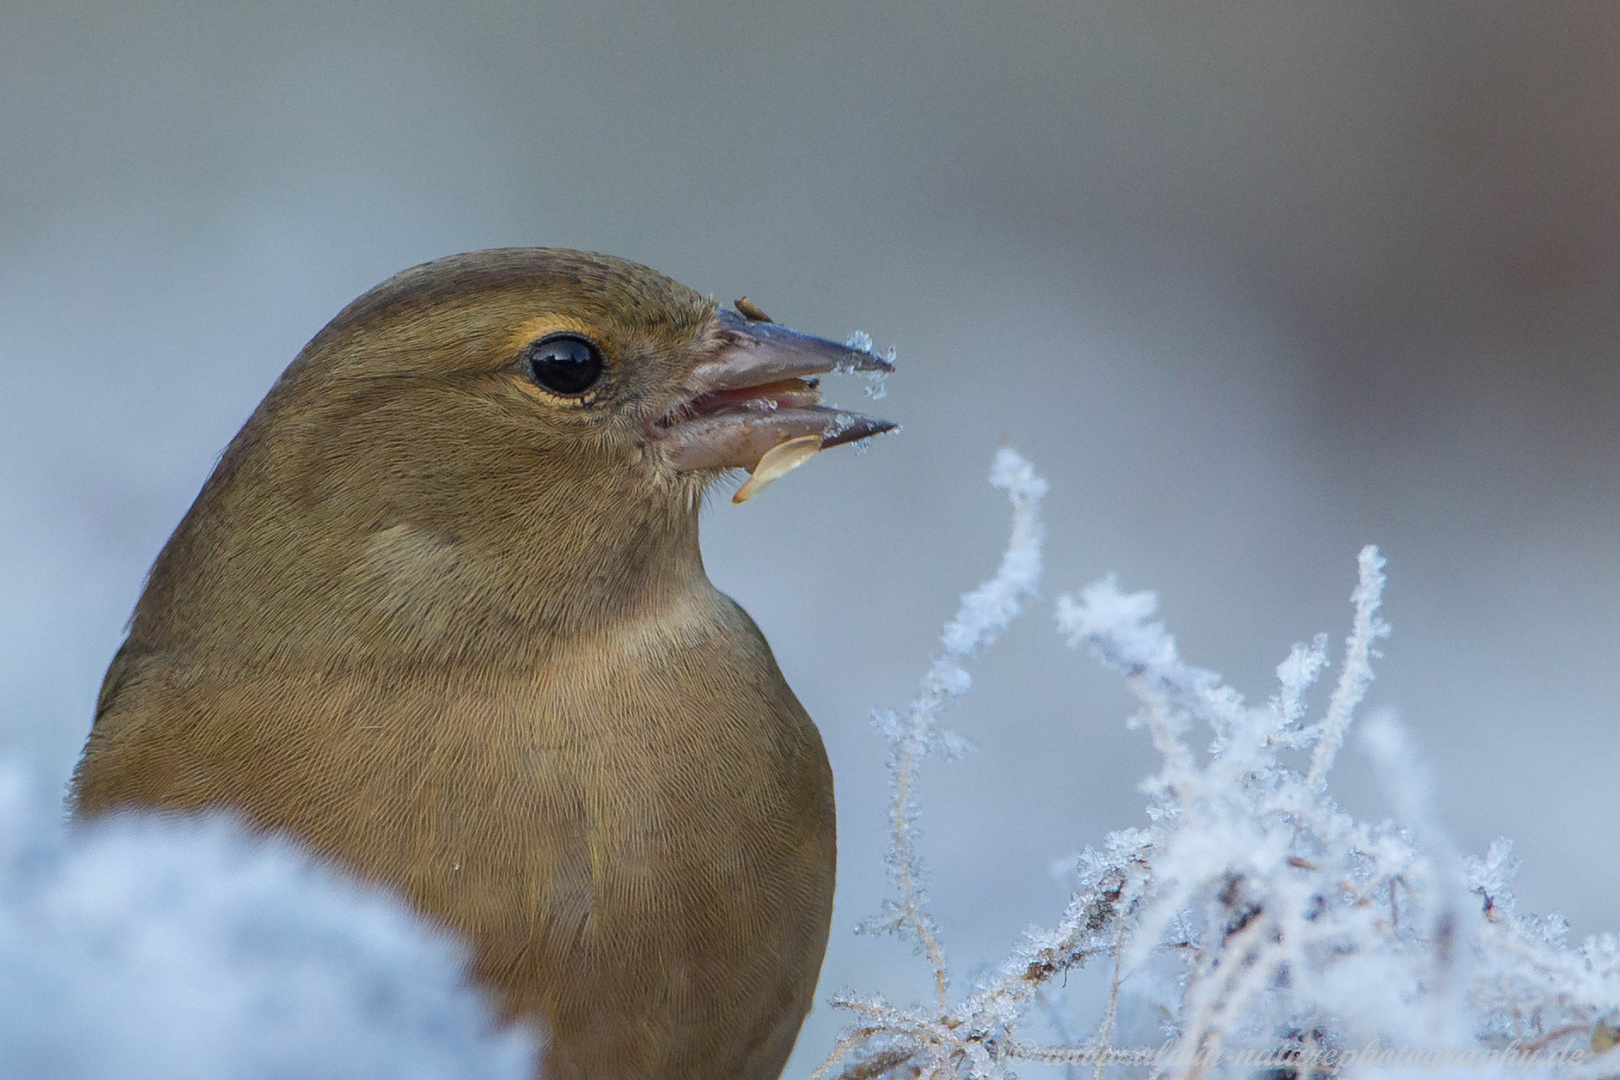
(984, 613)
(861, 341)
(1264, 927)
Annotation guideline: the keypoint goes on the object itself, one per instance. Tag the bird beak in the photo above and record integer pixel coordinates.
(758, 391)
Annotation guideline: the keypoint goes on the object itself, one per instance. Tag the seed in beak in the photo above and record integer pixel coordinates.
(750, 311)
(776, 463)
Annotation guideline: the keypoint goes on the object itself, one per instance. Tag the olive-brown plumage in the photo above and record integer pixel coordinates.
(442, 613)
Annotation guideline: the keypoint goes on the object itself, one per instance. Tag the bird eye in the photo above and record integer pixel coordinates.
(564, 364)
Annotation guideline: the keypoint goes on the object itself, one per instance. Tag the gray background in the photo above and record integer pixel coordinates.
(1253, 284)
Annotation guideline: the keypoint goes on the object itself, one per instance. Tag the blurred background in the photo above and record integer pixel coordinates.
(1252, 284)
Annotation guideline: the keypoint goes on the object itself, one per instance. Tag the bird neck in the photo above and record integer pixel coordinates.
(264, 573)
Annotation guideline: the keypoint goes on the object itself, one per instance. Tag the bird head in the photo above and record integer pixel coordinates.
(531, 427)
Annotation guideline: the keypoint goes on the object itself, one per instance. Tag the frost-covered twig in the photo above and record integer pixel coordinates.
(1357, 673)
(1265, 927)
(983, 615)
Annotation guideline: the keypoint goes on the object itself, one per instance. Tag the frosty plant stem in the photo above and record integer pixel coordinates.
(1252, 926)
(1357, 673)
(983, 615)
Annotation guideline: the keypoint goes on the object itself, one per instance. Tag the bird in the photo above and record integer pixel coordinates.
(440, 612)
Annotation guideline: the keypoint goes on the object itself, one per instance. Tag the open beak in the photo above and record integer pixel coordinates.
(759, 391)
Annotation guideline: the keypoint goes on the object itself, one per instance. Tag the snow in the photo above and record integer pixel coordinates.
(152, 949)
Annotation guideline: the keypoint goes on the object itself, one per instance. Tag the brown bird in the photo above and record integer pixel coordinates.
(440, 611)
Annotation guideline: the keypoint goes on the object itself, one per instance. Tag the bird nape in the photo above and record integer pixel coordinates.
(440, 613)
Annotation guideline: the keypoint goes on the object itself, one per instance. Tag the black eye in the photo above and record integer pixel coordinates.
(565, 364)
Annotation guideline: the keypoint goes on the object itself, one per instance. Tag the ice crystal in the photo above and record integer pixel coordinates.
(861, 341)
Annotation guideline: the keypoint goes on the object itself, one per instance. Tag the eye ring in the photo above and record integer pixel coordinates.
(564, 364)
